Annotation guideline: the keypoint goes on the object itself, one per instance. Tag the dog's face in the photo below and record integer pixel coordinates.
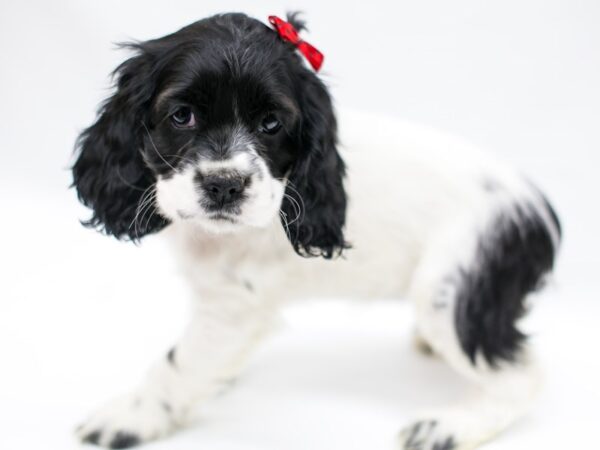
(222, 140)
(219, 124)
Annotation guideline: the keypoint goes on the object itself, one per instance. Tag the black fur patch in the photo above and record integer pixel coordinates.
(512, 258)
(448, 444)
(315, 201)
(93, 438)
(124, 439)
(171, 356)
(420, 435)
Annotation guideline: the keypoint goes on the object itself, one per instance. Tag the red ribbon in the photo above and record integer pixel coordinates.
(288, 33)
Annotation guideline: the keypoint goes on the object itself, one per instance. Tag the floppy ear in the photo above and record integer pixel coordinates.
(110, 174)
(315, 182)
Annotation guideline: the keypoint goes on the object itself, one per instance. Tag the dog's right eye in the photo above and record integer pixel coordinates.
(183, 118)
(270, 124)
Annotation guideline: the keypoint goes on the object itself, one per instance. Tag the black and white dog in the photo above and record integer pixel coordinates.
(221, 134)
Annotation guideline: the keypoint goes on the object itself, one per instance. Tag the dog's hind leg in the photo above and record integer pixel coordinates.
(469, 291)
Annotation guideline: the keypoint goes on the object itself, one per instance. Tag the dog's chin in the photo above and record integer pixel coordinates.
(224, 223)
(220, 223)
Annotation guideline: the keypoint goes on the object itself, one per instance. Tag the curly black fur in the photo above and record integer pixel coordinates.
(318, 177)
(110, 174)
(511, 262)
(297, 22)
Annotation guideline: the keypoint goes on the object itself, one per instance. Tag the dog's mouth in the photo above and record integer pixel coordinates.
(223, 217)
(220, 216)
(224, 213)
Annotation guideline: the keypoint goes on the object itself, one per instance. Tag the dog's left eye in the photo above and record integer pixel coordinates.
(270, 124)
(183, 118)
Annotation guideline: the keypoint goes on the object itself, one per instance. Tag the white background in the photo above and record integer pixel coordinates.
(82, 315)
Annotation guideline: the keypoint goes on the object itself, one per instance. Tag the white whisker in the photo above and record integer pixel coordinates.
(285, 223)
(156, 149)
(148, 207)
(146, 200)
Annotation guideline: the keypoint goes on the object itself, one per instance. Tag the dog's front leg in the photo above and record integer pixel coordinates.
(224, 327)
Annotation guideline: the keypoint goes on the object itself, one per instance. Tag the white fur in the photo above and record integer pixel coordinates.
(178, 198)
(415, 192)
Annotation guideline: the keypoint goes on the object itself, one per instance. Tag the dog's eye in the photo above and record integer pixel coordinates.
(270, 124)
(183, 118)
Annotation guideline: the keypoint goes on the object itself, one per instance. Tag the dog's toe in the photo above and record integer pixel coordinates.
(124, 439)
(92, 438)
(427, 435)
(127, 422)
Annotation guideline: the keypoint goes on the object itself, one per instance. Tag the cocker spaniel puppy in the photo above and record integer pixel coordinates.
(222, 134)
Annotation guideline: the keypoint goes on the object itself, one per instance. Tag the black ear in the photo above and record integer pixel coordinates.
(314, 208)
(110, 174)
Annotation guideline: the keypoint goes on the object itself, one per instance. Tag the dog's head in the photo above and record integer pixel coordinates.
(222, 125)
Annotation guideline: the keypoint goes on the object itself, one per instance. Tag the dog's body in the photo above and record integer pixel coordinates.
(427, 218)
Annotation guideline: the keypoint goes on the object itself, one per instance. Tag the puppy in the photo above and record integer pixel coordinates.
(222, 134)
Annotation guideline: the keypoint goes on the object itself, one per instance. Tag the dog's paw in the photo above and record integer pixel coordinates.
(127, 422)
(430, 435)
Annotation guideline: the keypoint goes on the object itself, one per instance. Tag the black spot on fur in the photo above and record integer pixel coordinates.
(511, 261)
(411, 441)
(93, 438)
(124, 439)
(448, 444)
(171, 356)
(418, 434)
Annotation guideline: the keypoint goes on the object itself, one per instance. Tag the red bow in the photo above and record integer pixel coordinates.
(288, 33)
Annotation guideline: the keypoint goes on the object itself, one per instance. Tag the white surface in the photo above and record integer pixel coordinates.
(517, 77)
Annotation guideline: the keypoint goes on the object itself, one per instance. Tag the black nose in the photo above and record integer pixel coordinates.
(224, 190)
